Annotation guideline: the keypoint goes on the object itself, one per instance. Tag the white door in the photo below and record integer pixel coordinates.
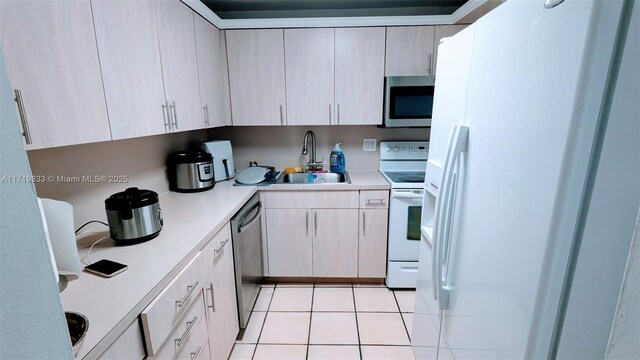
(520, 138)
(359, 75)
(309, 67)
(256, 76)
(179, 65)
(127, 37)
(442, 31)
(50, 51)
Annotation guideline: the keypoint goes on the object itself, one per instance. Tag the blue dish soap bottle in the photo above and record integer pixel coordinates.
(337, 160)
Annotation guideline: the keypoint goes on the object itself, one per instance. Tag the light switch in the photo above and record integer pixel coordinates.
(369, 145)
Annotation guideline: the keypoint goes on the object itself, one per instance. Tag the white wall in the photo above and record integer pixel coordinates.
(141, 159)
(610, 220)
(281, 146)
(32, 322)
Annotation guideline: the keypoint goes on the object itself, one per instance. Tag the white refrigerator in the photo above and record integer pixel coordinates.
(516, 120)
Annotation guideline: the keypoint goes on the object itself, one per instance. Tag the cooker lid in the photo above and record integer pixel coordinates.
(132, 198)
(188, 157)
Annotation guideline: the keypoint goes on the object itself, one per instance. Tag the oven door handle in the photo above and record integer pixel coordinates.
(411, 194)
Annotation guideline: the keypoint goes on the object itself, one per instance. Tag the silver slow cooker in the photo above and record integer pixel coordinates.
(134, 215)
(190, 171)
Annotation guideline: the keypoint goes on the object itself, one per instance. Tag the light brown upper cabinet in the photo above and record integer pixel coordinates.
(443, 31)
(359, 75)
(179, 65)
(212, 74)
(309, 59)
(52, 63)
(127, 35)
(148, 60)
(409, 51)
(256, 76)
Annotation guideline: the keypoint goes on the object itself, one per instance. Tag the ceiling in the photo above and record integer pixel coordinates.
(292, 9)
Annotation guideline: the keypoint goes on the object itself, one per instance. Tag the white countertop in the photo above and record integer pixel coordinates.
(190, 221)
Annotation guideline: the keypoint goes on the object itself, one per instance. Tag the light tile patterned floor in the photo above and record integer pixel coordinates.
(328, 322)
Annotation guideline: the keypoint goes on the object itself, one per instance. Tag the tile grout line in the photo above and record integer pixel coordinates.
(313, 291)
(264, 321)
(355, 313)
(401, 317)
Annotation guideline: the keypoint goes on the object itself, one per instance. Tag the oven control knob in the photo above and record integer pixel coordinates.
(396, 149)
(388, 149)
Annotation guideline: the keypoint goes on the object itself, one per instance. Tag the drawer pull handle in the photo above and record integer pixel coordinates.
(222, 244)
(186, 332)
(190, 289)
(194, 355)
(375, 202)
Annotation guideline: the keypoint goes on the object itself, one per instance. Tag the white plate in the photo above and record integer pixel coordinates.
(252, 175)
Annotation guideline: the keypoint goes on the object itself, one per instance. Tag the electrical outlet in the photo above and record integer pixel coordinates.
(369, 145)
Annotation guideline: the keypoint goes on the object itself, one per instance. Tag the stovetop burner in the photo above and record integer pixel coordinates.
(406, 176)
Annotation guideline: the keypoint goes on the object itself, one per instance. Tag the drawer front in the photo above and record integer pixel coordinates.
(189, 334)
(127, 346)
(168, 308)
(374, 199)
(311, 199)
(218, 244)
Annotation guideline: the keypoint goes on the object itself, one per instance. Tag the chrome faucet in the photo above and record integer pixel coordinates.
(312, 165)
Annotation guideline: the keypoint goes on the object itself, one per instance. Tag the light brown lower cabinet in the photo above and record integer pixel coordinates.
(196, 315)
(220, 295)
(326, 234)
(372, 247)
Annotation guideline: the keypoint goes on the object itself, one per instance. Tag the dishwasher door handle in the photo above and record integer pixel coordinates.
(244, 226)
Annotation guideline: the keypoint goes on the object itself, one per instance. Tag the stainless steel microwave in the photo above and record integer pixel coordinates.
(408, 101)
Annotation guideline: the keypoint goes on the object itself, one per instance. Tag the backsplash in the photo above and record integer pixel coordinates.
(140, 160)
(105, 165)
(281, 146)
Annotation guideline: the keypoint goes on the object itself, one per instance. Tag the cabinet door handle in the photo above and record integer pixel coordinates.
(329, 114)
(307, 223)
(186, 332)
(205, 109)
(190, 289)
(430, 65)
(213, 300)
(364, 224)
(23, 117)
(222, 244)
(315, 223)
(338, 115)
(194, 355)
(175, 115)
(281, 116)
(165, 117)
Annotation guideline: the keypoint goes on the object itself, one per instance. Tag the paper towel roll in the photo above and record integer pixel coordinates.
(59, 219)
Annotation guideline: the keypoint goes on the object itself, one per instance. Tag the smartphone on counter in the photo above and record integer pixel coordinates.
(106, 268)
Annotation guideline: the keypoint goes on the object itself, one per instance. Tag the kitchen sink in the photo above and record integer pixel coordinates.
(314, 178)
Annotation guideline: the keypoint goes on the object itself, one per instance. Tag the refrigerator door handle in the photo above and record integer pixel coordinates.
(444, 211)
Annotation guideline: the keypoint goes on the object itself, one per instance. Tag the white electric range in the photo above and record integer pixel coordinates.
(403, 165)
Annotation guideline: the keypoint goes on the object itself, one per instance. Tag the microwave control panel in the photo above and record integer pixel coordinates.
(404, 150)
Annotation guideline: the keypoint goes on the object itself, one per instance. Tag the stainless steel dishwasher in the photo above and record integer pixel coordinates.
(246, 230)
